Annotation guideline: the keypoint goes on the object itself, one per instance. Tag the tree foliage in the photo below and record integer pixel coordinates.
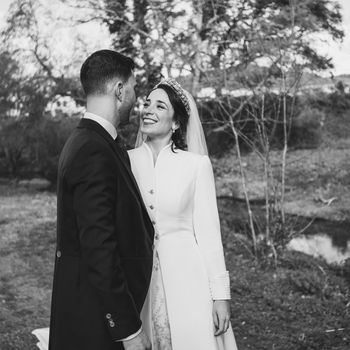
(223, 44)
(32, 66)
(239, 40)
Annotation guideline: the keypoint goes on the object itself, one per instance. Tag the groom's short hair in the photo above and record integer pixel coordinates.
(101, 67)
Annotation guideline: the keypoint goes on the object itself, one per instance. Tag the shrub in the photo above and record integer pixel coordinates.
(47, 137)
(305, 123)
(306, 128)
(13, 142)
(33, 146)
(306, 281)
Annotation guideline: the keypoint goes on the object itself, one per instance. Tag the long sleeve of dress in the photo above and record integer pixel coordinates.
(207, 231)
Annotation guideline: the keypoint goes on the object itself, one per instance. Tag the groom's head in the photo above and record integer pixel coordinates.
(109, 73)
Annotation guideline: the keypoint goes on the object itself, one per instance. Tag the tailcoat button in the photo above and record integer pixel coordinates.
(58, 254)
(151, 207)
(111, 323)
(108, 316)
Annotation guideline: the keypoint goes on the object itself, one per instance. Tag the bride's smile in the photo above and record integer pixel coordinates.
(157, 116)
(148, 120)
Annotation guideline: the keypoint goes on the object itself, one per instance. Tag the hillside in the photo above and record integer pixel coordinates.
(309, 81)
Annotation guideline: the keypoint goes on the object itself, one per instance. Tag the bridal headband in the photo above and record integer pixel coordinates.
(177, 88)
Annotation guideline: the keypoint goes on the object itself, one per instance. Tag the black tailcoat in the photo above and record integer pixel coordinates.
(104, 245)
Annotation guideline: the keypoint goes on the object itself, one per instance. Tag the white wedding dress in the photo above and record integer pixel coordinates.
(189, 269)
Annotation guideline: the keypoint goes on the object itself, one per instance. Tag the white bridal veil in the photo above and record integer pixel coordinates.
(195, 138)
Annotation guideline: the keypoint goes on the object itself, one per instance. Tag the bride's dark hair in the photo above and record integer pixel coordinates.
(180, 116)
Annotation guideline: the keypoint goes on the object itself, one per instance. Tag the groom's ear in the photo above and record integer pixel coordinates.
(119, 90)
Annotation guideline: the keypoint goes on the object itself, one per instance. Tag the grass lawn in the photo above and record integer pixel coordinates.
(311, 175)
(303, 304)
(27, 243)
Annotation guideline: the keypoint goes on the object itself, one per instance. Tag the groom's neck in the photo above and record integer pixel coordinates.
(104, 107)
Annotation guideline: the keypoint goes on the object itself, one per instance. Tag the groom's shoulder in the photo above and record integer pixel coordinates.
(87, 137)
(81, 143)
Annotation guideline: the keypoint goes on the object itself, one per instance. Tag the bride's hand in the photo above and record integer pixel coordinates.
(221, 316)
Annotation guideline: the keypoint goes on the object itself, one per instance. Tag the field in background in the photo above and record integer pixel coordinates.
(303, 304)
(27, 239)
(317, 177)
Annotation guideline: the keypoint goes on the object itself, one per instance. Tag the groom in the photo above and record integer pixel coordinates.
(104, 235)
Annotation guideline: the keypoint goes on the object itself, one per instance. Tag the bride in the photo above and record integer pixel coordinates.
(187, 306)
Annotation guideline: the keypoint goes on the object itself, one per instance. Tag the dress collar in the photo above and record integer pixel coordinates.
(163, 150)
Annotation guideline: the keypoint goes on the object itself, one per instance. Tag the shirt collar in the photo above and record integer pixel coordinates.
(108, 126)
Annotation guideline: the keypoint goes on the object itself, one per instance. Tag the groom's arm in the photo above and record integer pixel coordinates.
(93, 183)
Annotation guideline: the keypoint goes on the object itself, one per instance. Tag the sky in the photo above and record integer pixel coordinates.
(339, 51)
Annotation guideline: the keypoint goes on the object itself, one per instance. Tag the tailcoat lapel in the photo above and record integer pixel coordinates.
(90, 124)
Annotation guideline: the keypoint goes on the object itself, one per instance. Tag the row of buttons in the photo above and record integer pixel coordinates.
(151, 206)
(110, 321)
(151, 191)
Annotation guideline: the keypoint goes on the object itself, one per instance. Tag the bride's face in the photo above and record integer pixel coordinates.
(157, 116)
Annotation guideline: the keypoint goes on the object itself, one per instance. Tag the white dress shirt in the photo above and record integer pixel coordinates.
(110, 128)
